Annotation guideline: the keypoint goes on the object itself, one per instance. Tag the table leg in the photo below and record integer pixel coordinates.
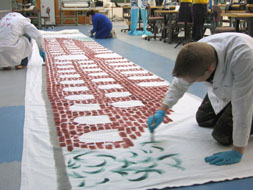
(170, 29)
(237, 24)
(77, 17)
(39, 20)
(61, 16)
(164, 31)
(250, 27)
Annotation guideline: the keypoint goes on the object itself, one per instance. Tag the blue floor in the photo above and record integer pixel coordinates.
(11, 136)
(12, 118)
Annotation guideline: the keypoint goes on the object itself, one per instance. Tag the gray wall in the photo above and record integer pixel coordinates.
(5, 5)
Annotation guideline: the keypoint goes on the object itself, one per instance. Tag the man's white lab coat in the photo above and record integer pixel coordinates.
(232, 82)
(13, 45)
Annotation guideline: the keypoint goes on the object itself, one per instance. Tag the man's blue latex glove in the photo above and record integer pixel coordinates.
(224, 158)
(43, 54)
(155, 120)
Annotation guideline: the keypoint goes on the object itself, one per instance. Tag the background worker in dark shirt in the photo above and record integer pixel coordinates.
(102, 26)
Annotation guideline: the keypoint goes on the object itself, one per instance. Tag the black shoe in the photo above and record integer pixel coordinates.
(7, 68)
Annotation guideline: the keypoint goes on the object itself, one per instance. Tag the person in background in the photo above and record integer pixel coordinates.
(199, 13)
(134, 18)
(136, 7)
(225, 63)
(185, 15)
(102, 26)
(144, 16)
(16, 32)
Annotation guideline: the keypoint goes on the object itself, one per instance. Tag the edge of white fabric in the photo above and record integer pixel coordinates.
(39, 158)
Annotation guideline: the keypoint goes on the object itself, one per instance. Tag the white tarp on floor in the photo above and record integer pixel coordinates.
(176, 158)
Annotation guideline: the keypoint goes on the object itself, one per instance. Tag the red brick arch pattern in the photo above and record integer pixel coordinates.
(129, 122)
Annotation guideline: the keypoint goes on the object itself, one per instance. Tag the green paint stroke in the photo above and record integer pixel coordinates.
(104, 181)
(77, 158)
(153, 165)
(82, 184)
(127, 163)
(76, 175)
(145, 176)
(69, 162)
(73, 165)
(95, 172)
(145, 151)
(106, 155)
(157, 147)
(122, 173)
(147, 170)
(147, 160)
(177, 164)
(134, 154)
(166, 156)
(138, 170)
(98, 165)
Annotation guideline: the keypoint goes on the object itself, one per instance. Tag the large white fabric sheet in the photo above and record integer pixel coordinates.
(182, 137)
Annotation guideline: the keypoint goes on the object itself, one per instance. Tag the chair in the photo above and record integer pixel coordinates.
(218, 28)
(187, 28)
(154, 22)
(46, 18)
(35, 16)
(250, 6)
(209, 23)
(127, 17)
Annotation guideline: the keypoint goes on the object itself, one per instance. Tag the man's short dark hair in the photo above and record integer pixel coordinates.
(90, 13)
(194, 59)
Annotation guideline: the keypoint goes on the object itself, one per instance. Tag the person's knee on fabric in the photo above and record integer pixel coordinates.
(221, 123)
(205, 115)
(223, 129)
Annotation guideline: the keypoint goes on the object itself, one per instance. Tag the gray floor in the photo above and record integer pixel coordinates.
(155, 56)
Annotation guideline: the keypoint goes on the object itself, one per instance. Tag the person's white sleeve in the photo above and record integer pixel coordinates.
(175, 91)
(242, 99)
(34, 33)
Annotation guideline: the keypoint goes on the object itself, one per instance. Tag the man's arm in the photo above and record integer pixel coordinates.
(174, 93)
(34, 33)
(94, 23)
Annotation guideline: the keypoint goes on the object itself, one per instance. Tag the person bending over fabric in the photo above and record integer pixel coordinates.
(16, 32)
(225, 62)
(102, 26)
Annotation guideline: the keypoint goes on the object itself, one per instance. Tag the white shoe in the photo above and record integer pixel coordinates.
(113, 34)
